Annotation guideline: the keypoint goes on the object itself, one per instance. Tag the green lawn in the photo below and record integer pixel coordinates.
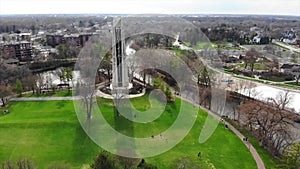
(290, 85)
(256, 66)
(260, 67)
(45, 132)
(294, 61)
(203, 45)
(48, 131)
(294, 83)
(228, 71)
(180, 52)
(283, 47)
(225, 46)
(222, 150)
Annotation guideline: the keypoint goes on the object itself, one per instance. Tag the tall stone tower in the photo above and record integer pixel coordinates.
(120, 80)
(120, 88)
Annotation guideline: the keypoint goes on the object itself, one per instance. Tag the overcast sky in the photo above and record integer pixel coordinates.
(277, 7)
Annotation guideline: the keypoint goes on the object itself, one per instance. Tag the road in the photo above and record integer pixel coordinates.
(237, 81)
(291, 48)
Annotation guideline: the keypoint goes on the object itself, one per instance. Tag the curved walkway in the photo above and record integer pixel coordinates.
(99, 93)
(107, 96)
(260, 164)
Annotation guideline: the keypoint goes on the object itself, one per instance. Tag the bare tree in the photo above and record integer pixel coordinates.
(5, 90)
(197, 68)
(250, 59)
(106, 64)
(231, 100)
(133, 66)
(8, 76)
(205, 96)
(296, 72)
(29, 83)
(39, 83)
(269, 122)
(242, 90)
(87, 92)
(282, 100)
(88, 64)
(272, 65)
(147, 56)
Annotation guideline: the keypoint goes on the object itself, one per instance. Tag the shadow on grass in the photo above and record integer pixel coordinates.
(84, 149)
(60, 104)
(125, 127)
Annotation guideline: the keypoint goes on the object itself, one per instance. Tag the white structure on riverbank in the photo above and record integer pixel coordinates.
(179, 44)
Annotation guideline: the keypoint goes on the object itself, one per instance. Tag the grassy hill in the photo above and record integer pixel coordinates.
(48, 132)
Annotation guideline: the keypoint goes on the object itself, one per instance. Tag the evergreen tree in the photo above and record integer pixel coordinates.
(19, 87)
(168, 93)
(291, 157)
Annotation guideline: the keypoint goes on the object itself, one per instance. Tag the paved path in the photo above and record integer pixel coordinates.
(108, 96)
(44, 98)
(258, 160)
(99, 93)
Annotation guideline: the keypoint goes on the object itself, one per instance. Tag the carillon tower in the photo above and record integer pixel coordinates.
(120, 79)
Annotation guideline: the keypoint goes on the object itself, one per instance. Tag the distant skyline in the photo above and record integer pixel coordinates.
(264, 7)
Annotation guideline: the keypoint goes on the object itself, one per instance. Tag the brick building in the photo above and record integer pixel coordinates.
(17, 50)
(74, 39)
(54, 39)
(84, 38)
